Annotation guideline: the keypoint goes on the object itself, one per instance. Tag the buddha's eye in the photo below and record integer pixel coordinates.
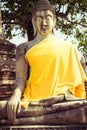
(39, 18)
(49, 18)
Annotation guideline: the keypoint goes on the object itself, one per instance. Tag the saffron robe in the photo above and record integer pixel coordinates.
(54, 69)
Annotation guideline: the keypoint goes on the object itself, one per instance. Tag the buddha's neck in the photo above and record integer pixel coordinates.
(41, 37)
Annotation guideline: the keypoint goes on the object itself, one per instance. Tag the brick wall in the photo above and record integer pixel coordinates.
(7, 68)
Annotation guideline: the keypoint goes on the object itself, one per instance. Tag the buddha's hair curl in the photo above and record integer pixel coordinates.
(42, 5)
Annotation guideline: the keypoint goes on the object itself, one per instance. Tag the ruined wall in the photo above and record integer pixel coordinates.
(7, 68)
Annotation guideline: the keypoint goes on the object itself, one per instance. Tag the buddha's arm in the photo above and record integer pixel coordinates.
(21, 77)
(21, 71)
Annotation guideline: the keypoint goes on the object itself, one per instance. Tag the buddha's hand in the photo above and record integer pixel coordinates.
(52, 100)
(13, 106)
(70, 96)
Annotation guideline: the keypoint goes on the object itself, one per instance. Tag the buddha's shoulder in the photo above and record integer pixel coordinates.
(20, 50)
(30, 44)
(24, 47)
(62, 42)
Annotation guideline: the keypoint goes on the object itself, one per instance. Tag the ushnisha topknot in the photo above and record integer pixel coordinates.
(42, 5)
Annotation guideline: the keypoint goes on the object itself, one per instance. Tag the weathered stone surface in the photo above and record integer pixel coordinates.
(45, 127)
(7, 68)
(74, 112)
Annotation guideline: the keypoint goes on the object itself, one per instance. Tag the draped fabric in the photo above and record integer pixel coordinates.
(54, 69)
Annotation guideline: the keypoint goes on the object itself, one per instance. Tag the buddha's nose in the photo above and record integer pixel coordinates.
(44, 22)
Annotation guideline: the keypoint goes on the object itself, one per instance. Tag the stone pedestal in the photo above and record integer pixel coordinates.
(46, 127)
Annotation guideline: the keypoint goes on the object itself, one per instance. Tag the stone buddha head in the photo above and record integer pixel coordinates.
(43, 18)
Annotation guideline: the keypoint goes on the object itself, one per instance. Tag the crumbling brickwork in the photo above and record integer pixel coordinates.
(7, 68)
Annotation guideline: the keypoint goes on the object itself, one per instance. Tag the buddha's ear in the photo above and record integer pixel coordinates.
(34, 27)
(54, 22)
(54, 25)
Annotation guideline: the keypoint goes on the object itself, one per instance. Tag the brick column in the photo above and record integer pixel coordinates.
(7, 68)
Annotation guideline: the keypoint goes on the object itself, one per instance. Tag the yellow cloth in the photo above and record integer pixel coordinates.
(54, 68)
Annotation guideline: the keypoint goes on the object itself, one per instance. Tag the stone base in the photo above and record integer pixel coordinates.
(45, 127)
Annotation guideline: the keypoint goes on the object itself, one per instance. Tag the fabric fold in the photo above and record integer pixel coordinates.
(54, 69)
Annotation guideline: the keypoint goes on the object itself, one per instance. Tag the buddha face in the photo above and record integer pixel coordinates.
(44, 22)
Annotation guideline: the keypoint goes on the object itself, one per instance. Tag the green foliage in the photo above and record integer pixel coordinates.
(71, 18)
